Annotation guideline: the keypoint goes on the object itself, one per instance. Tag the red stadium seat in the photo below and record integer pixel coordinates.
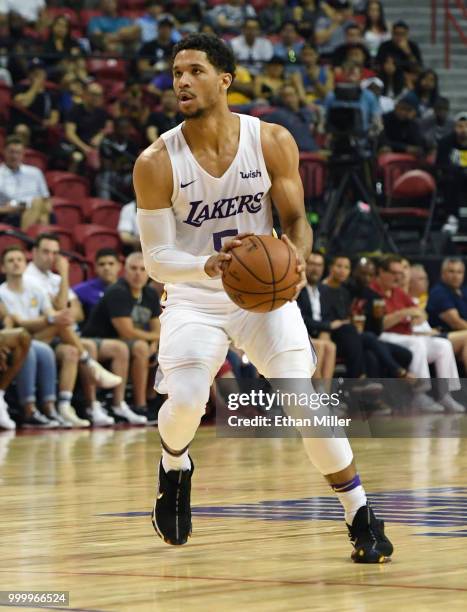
(413, 187)
(392, 166)
(105, 213)
(36, 158)
(132, 4)
(5, 100)
(260, 111)
(65, 235)
(68, 214)
(133, 13)
(11, 236)
(87, 205)
(79, 270)
(91, 238)
(87, 15)
(67, 185)
(107, 68)
(312, 169)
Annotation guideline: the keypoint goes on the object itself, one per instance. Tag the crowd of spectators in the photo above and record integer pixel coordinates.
(85, 85)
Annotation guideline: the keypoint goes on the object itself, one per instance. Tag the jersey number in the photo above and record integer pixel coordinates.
(219, 236)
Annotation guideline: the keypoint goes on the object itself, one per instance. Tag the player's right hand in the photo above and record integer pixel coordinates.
(216, 263)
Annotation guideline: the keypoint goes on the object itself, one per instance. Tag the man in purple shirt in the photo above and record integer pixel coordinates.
(107, 267)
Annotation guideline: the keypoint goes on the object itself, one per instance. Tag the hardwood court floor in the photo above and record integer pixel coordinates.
(266, 536)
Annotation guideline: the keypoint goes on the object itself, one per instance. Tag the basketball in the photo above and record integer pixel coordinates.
(262, 274)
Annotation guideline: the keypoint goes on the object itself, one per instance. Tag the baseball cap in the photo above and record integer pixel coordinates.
(372, 81)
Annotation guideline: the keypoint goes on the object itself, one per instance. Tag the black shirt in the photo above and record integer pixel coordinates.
(89, 122)
(44, 103)
(402, 59)
(155, 51)
(399, 134)
(118, 301)
(163, 122)
(120, 156)
(451, 153)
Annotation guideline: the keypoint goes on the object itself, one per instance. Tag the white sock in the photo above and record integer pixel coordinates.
(352, 501)
(169, 462)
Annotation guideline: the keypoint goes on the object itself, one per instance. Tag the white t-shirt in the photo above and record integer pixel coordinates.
(22, 185)
(46, 281)
(28, 9)
(127, 221)
(29, 304)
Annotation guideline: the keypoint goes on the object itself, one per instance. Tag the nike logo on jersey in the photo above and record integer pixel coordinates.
(182, 185)
(250, 174)
(227, 207)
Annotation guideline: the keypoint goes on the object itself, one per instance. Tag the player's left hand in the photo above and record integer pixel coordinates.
(301, 266)
(214, 266)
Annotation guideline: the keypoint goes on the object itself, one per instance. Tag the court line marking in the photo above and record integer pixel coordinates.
(245, 580)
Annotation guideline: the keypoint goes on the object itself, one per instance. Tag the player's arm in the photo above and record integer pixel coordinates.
(153, 182)
(281, 156)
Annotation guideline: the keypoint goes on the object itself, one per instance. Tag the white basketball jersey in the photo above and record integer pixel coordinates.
(210, 210)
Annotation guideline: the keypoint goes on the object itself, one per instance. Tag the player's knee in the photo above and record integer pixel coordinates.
(189, 398)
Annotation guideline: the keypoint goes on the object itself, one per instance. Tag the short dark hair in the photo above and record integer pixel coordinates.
(334, 258)
(400, 24)
(13, 140)
(105, 252)
(10, 249)
(217, 51)
(46, 236)
(384, 262)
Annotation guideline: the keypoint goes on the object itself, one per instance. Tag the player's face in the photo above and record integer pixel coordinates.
(14, 264)
(107, 269)
(197, 84)
(340, 270)
(46, 254)
(453, 274)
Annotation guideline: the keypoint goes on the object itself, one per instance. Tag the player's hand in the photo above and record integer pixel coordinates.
(216, 263)
(301, 266)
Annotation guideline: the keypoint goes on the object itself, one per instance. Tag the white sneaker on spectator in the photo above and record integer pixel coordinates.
(451, 226)
(426, 404)
(99, 416)
(68, 413)
(124, 411)
(102, 377)
(37, 419)
(6, 422)
(55, 416)
(451, 405)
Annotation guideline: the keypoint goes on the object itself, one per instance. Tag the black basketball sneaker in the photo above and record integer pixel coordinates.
(367, 536)
(171, 515)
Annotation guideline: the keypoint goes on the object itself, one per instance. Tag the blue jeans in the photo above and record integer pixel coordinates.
(39, 368)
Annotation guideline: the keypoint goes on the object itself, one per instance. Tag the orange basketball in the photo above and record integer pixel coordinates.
(262, 274)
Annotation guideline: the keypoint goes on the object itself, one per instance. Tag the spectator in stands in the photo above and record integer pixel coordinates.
(29, 307)
(14, 349)
(367, 103)
(353, 40)
(107, 267)
(438, 124)
(241, 92)
(273, 16)
(59, 43)
(330, 28)
(161, 47)
(128, 227)
(298, 119)
(250, 49)
(305, 14)
(418, 291)
(24, 196)
(132, 105)
(425, 92)
(268, 84)
(229, 18)
(404, 50)
(312, 81)
(118, 153)
(355, 53)
(36, 108)
(376, 86)
(375, 30)
(165, 119)
(290, 44)
(72, 350)
(447, 302)
(392, 76)
(149, 22)
(87, 124)
(401, 315)
(401, 132)
(71, 93)
(129, 310)
(110, 31)
(451, 160)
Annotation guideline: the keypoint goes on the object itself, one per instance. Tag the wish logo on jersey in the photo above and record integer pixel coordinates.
(227, 207)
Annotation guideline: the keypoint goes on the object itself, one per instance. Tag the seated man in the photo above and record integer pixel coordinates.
(111, 31)
(401, 315)
(401, 132)
(447, 302)
(24, 196)
(107, 267)
(130, 311)
(39, 272)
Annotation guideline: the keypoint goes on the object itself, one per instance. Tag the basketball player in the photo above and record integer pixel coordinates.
(200, 188)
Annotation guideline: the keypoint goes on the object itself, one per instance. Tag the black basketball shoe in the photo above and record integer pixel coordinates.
(171, 515)
(368, 539)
